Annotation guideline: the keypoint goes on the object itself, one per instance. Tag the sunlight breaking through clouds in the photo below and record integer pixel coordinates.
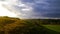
(4, 11)
(35, 8)
(25, 10)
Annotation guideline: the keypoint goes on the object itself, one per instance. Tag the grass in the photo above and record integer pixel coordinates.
(18, 26)
(53, 27)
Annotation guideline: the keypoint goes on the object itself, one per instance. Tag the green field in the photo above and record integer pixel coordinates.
(53, 27)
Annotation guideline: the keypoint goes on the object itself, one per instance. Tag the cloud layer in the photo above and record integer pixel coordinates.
(37, 8)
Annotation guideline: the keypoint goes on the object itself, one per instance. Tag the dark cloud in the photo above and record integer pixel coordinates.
(41, 8)
(53, 15)
(52, 10)
(27, 1)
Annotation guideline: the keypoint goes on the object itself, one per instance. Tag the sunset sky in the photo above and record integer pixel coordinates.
(33, 8)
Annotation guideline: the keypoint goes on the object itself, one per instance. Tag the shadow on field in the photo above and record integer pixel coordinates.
(28, 28)
(32, 30)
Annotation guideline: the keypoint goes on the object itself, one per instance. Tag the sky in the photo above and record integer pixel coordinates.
(4, 11)
(35, 8)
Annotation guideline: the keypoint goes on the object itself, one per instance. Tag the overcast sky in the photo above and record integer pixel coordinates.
(36, 8)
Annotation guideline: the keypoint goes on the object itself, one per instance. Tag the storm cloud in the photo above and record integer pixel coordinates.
(37, 8)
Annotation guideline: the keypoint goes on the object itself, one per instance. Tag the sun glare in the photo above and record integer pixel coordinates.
(6, 12)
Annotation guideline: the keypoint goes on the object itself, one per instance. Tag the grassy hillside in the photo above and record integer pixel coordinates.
(9, 25)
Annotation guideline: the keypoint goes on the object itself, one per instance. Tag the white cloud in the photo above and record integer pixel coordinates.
(23, 10)
(5, 12)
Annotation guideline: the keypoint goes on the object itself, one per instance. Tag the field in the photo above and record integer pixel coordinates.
(9, 25)
(53, 27)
